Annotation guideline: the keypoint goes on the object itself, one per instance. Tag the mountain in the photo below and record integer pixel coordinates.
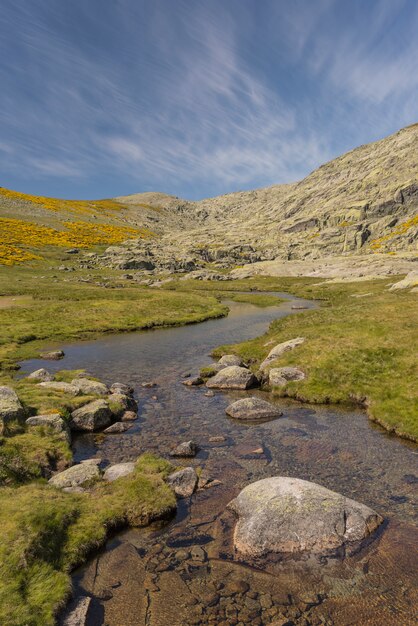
(362, 203)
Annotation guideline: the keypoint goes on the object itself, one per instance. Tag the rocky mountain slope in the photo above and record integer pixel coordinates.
(362, 203)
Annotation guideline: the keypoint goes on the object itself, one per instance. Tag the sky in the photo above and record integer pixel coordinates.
(195, 98)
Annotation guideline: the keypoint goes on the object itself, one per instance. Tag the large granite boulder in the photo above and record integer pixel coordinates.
(288, 515)
(118, 471)
(183, 481)
(61, 387)
(53, 421)
(86, 386)
(11, 408)
(76, 476)
(280, 349)
(41, 375)
(280, 376)
(252, 409)
(232, 377)
(231, 359)
(92, 416)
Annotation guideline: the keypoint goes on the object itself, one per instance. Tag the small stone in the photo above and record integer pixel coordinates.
(183, 482)
(129, 416)
(217, 439)
(42, 375)
(53, 355)
(193, 382)
(121, 388)
(148, 385)
(197, 553)
(185, 449)
(209, 394)
(235, 586)
(117, 427)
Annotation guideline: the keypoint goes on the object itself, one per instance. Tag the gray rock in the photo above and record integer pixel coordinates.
(53, 355)
(288, 515)
(232, 377)
(183, 482)
(76, 475)
(121, 388)
(279, 376)
(252, 409)
(53, 421)
(120, 403)
(42, 375)
(79, 614)
(86, 386)
(11, 408)
(61, 387)
(185, 449)
(231, 359)
(193, 382)
(117, 471)
(91, 416)
(117, 427)
(280, 349)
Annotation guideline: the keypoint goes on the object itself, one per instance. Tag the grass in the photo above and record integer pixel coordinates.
(261, 300)
(46, 533)
(357, 350)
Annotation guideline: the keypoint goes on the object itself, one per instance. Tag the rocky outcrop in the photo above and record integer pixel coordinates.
(280, 349)
(280, 376)
(185, 449)
(42, 375)
(287, 515)
(252, 409)
(232, 377)
(11, 408)
(184, 482)
(92, 416)
(118, 471)
(76, 476)
(409, 282)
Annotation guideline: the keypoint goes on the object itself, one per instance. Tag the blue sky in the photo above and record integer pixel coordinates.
(196, 97)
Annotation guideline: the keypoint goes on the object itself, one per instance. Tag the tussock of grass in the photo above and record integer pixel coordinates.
(356, 350)
(46, 533)
(260, 300)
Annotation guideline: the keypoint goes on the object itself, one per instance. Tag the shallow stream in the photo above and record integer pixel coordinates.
(185, 572)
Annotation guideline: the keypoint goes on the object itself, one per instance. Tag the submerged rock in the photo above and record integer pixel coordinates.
(90, 387)
(129, 416)
(279, 376)
(79, 614)
(42, 375)
(117, 427)
(232, 377)
(252, 409)
(11, 408)
(184, 482)
(76, 475)
(185, 449)
(280, 349)
(193, 382)
(231, 359)
(91, 416)
(288, 515)
(117, 471)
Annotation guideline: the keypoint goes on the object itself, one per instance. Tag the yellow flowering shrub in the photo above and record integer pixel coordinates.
(17, 235)
(89, 207)
(400, 229)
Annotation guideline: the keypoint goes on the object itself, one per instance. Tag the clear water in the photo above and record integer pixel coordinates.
(182, 572)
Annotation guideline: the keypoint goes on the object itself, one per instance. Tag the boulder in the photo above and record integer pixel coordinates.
(91, 416)
(287, 515)
(117, 471)
(11, 408)
(53, 355)
(129, 416)
(279, 376)
(184, 482)
(252, 409)
(42, 375)
(117, 427)
(231, 359)
(121, 388)
(53, 421)
(61, 387)
(88, 387)
(280, 349)
(185, 449)
(120, 403)
(232, 377)
(76, 475)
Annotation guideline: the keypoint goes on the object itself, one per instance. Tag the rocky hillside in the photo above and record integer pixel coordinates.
(364, 202)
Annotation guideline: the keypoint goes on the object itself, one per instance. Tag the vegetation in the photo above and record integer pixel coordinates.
(45, 533)
(361, 346)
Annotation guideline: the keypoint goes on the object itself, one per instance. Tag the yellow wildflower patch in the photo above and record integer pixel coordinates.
(400, 229)
(17, 235)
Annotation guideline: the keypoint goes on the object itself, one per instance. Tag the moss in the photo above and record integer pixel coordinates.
(208, 371)
(45, 533)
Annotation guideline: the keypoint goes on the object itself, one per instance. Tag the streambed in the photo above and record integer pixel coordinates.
(185, 572)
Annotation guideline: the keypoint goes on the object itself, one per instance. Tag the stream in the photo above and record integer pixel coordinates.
(185, 572)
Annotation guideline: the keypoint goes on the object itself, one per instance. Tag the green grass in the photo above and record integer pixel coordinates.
(260, 300)
(357, 350)
(45, 533)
